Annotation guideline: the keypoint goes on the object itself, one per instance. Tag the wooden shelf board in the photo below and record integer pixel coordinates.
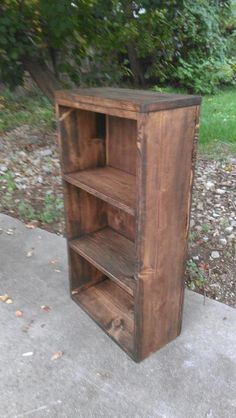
(127, 100)
(111, 253)
(109, 184)
(112, 309)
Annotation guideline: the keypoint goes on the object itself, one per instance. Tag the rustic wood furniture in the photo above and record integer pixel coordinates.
(127, 159)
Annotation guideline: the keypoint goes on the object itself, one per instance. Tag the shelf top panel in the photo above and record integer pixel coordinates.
(109, 100)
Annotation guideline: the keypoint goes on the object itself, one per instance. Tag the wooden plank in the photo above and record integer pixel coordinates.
(164, 177)
(82, 274)
(113, 111)
(122, 222)
(79, 147)
(122, 144)
(111, 185)
(84, 213)
(110, 253)
(112, 309)
(126, 99)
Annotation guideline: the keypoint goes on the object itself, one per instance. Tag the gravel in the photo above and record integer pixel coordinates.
(30, 158)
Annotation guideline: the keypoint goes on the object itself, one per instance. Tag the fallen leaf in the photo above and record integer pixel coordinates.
(53, 261)
(29, 353)
(203, 266)
(57, 355)
(30, 253)
(32, 225)
(18, 314)
(45, 308)
(75, 291)
(104, 375)
(8, 301)
(229, 168)
(3, 298)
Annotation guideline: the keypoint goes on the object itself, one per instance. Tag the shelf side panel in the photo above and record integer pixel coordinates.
(165, 172)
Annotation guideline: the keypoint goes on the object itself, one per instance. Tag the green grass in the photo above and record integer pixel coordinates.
(50, 212)
(217, 133)
(29, 109)
(218, 121)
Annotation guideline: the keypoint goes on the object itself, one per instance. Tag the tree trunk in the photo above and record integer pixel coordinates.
(135, 65)
(43, 77)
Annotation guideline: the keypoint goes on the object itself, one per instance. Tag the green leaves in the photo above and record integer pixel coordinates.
(184, 42)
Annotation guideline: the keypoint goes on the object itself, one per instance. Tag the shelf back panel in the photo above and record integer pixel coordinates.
(80, 139)
(121, 143)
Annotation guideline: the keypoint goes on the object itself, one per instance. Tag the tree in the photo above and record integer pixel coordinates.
(112, 41)
(46, 38)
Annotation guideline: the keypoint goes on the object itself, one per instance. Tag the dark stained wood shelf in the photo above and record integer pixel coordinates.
(112, 309)
(109, 184)
(110, 253)
(127, 158)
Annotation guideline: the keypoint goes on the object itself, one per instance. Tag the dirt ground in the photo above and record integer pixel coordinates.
(30, 189)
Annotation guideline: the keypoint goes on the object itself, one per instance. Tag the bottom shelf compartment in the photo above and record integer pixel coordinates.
(112, 308)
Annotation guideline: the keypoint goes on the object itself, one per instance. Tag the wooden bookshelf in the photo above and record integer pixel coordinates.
(127, 159)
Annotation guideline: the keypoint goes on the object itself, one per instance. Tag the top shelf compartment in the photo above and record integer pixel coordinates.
(109, 184)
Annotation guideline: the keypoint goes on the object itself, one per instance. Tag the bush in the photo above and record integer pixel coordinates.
(204, 61)
(190, 43)
(204, 76)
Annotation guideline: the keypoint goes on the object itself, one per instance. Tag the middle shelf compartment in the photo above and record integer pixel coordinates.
(107, 183)
(111, 253)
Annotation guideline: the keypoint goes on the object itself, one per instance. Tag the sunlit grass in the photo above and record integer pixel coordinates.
(218, 118)
(217, 135)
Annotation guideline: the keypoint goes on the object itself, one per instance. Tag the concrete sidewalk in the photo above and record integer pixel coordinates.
(193, 377)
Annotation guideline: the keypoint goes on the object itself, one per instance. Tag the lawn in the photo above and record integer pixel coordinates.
(25, 108)
(217, 122)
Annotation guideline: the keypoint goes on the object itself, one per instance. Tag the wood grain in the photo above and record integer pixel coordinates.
(122, 144)
(164, 179)
(124, 100)
(84, 212)
(112, 309)
(79, 146)
(111, 253)
(121, 222)
(111, 185)
(127, 183)
(82, 274)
